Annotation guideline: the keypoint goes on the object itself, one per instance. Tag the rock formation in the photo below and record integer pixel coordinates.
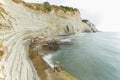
(20, 21)
(54, 22)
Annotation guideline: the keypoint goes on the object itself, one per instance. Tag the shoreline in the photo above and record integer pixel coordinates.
(43, 68)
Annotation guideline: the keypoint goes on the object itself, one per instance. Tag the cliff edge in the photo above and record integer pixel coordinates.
(48, 19)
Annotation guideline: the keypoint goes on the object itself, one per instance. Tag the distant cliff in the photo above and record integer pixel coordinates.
(49, 19)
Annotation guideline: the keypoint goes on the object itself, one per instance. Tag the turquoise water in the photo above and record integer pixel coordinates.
(93, 56)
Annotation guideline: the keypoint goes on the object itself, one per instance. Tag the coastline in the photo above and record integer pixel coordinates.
(44, 69)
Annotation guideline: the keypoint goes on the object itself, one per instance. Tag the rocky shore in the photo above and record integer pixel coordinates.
(46, 45)
(21, 21)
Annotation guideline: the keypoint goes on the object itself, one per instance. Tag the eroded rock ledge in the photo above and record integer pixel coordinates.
(41, 47)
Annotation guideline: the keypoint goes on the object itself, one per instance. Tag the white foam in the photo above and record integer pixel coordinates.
(65, 40)
(48, 59)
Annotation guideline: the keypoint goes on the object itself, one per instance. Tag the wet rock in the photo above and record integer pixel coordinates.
(51, 44)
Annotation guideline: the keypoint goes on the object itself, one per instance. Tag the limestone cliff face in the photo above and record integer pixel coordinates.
(20, 21)
(55, 22)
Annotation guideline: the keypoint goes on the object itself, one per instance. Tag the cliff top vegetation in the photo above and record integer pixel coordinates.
(46, 6)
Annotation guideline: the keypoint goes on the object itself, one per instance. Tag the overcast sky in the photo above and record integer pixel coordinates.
(105, 14)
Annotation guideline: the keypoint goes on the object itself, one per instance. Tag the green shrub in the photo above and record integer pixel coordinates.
(75, 9)
(66, 8)
(46, 3)
(85, 21)
(47, 7)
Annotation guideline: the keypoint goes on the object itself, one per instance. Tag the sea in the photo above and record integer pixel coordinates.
(91, 56)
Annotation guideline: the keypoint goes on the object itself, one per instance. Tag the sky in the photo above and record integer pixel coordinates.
(105, 14)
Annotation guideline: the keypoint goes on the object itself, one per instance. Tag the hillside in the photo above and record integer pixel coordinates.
(20, 21)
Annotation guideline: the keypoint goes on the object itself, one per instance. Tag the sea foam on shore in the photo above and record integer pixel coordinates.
(48, 60)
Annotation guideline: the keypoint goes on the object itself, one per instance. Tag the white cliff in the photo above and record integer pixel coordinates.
(19, 24)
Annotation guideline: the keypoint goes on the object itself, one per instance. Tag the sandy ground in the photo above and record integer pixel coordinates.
(44, 71)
